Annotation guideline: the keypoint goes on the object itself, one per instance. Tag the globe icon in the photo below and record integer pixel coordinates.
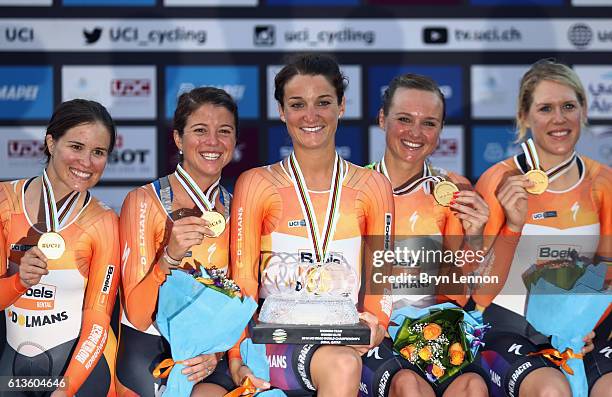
(580, 35)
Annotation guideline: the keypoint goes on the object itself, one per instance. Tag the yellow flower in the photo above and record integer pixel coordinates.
(408, 351)
(437, 371)
(432, 331)
(425, 353)
(456, 353)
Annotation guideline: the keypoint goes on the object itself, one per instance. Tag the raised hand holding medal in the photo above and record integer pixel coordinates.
(540, 178)
(205, 201)
(51, 243)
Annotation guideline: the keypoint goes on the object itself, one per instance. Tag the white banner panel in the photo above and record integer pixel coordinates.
(112, 196)
(26, 3)
(352, 92)
(21, 151)
(448, 155)
(127, 92)
(597, 81)
(309, 35)
(592, 2)
(596, 143)
(199, 3)
(135, 155)
(494, 90)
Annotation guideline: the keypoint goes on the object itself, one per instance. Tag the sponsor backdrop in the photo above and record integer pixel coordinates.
(137, 56)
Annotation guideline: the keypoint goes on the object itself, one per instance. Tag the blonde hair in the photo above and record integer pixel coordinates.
(545, 70)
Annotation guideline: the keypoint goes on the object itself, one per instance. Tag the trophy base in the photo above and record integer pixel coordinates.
(346, 334)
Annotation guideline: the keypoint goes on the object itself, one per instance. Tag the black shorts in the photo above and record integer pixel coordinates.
(290, 368)
(599, 362)
(504, 355)
(505, 360)
(139, 353)
(53, 362)
(380, 364)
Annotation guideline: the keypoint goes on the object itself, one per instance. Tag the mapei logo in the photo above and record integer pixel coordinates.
(264, 35)
(25, 148)
(580, 35)
(38, 297)
(19, 92)
(92, 36)
(131, 87)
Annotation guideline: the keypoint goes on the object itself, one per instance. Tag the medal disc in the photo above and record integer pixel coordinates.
(216, 222)
(540, 181)
(318, 280)
(52, 245)
(443, 192)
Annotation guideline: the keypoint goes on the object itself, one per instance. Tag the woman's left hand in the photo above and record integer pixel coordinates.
(472, 211)
(200, 366)
(588, 343)
(377, 333)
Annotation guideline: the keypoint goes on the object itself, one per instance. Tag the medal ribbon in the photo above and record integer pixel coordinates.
(319, 242)
(412, 184)
(246, 389)
(162, 370)
(55, 219)
(534, 161)
(204, 201)
(558, 358)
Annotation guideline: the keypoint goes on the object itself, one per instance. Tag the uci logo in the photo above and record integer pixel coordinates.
(296, 223)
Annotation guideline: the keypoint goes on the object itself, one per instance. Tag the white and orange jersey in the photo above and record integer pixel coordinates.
(75, 300)
(269, 230)
(558, 222)
(145, 226)
(421, 224)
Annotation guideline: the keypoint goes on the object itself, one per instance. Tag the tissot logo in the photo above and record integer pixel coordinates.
(264, 35)
(91, 36)
(580, 35)
(435, 35)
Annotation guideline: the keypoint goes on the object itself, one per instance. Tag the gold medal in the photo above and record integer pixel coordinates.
(443, 192)
(540, 181)
(52, 245)
(318, 280)
(216, 222)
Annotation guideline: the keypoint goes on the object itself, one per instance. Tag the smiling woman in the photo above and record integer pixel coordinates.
(314, 207)
(176, 222)
(61, 282)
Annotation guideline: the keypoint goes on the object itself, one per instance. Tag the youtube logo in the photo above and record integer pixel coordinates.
(435, 35)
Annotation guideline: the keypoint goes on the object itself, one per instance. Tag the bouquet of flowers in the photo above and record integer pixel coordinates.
(440, 340)
(566, 299)
(201, 312)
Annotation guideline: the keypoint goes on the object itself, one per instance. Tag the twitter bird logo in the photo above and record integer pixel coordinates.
(92, 36)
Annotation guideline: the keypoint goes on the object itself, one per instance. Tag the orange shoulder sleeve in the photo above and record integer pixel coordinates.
(141, 228)
(10, 286)
(253, 195)
(102, 284)
(377, 198)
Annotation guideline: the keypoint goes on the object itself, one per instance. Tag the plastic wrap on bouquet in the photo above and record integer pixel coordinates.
(198, 317)
(568, 312)
(440, 339)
